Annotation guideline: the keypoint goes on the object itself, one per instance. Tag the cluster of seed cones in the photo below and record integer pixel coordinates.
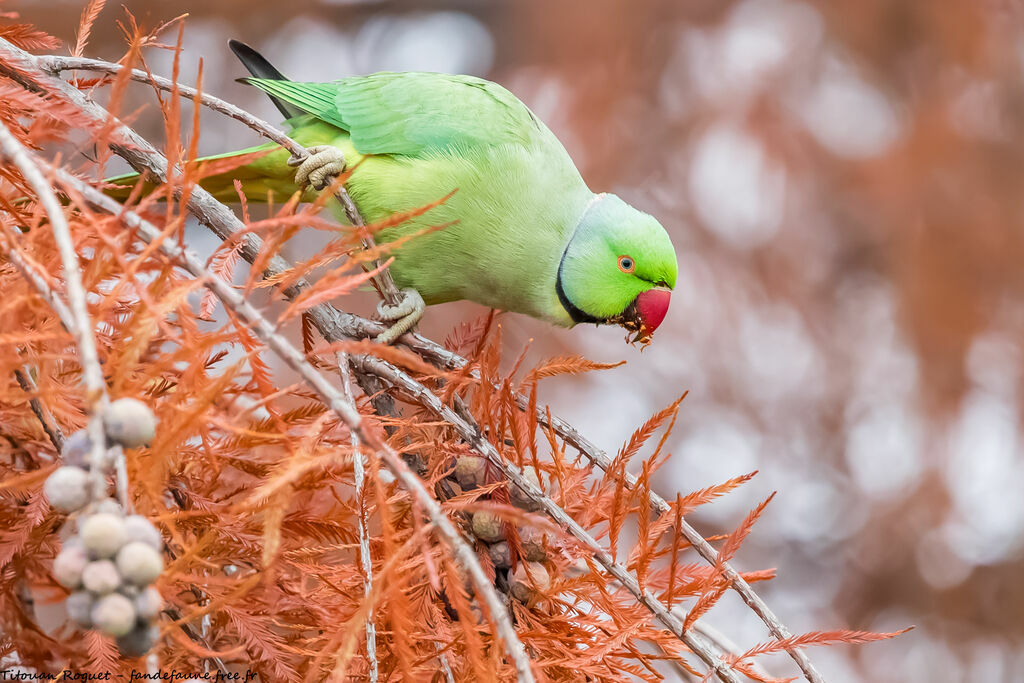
(519, 561)
(112, 560)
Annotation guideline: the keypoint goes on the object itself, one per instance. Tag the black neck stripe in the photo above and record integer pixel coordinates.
(577, 315)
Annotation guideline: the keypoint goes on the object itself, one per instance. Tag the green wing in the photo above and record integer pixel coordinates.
(412, 113)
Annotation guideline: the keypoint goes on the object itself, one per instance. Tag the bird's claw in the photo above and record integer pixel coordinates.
(404, 315)
(319, 167)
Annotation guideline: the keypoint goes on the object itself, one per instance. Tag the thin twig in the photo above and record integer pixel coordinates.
(202, 598)
(32, 73)
(34, 277)
(471, 434)
(55, 64)
(334, 324)
(695, 539)
(266, 331)
(724, 643)
(50, 425)
(365, 559)
(81, 325)
(446, 669)
(438, 355)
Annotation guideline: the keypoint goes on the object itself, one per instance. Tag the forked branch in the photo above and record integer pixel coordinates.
(79, 322)
(344, 408)
(336, 325)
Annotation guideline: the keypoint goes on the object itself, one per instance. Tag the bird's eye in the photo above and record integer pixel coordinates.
(626, 264)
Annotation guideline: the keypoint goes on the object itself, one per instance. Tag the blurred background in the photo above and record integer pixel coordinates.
(842, 182)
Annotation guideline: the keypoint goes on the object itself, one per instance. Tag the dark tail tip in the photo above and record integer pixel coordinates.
(254, 62)
(258, 66)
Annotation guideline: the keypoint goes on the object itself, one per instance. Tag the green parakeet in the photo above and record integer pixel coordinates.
(526, 234)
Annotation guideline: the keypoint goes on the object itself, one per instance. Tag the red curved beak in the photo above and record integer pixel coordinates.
(652, 307)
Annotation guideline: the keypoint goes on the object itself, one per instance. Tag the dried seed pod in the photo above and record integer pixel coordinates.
(501, 554)
(478, 613)
(518, 497)
(578, 568)
(471, 471)
(67, 488)
(102, 534)
(101, 577)
(149, 603)
(532, 541)
(449, 488)
(114, 615)
(79, 607)
(69, 565)
(138, 528)
(139, 563)
(529, 580)
(487, 526)
(129, 422)
(139, 640)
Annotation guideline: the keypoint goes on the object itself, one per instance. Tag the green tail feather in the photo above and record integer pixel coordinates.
(266, 174)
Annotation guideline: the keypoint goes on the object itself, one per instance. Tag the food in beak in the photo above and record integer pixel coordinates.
(645, 314)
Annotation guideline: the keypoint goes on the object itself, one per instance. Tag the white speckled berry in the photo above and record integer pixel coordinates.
(69, 564)
(108, 506)
(129, 422)
(67, 488)
(101, 577)
(79, 607)
(114, 615)
(102, 534)
(149, 603)
(138, 528)
(139, 563)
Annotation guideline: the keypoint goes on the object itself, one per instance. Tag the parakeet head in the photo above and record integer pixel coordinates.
(619, 268)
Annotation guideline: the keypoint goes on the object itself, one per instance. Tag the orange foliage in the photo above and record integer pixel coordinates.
(251, 476)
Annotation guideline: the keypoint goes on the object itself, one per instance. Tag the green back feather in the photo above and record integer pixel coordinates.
(412, 113)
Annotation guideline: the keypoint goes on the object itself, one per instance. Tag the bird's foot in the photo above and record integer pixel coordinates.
(404, 315)
(319, 167)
